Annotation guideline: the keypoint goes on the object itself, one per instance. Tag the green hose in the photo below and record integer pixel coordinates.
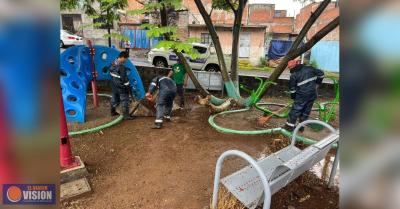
(257, 132)
(100, 127)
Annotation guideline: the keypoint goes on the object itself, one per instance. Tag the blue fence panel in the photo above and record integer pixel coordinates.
(326, 55)
(138, 38)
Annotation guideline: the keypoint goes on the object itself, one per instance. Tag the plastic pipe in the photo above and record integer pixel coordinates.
(100, 127)
(211, 121)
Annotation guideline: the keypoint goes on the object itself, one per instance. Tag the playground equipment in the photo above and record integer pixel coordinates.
(76, 73)
(326, 110)
(67, 160)
(270, 174)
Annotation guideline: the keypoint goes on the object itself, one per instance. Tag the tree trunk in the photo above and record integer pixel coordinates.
(235, 42)
(109, 31)
(109, 36)
(311, 20)
(189, 71)
(215, 39)
(196, 83)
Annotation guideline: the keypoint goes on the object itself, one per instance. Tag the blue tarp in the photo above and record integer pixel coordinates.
(278, 48)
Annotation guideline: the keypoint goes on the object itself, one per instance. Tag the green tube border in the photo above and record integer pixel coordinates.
(100, 127)
(284, 132)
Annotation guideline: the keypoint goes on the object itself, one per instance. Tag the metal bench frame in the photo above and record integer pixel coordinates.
(281, 175)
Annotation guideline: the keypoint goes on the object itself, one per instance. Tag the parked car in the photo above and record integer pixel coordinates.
(208, 61)
(68, 39)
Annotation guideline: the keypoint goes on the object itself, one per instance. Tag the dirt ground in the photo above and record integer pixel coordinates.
(133, 166)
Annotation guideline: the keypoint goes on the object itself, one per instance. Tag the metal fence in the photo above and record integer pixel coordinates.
(209, 80)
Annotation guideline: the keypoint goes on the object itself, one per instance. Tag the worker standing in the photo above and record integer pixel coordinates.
(180, 77)
(120, 86)
(303, 90)
(165, 99)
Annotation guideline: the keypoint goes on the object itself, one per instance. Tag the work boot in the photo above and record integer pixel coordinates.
(157, 126)
(167, 118)
(113, 111)
(126, 114)
(288, 128)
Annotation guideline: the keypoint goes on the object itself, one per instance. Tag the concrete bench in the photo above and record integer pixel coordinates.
(270, 174)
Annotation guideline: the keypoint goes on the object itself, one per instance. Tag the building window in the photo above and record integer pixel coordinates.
(206, 39)
(103, 19)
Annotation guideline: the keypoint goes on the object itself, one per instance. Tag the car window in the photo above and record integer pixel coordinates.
(201, 50)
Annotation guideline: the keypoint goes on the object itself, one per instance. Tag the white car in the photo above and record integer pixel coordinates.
(68, 39)
(208, 61)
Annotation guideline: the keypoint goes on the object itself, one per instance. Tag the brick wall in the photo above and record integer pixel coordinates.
(331, 12)
(261, 14)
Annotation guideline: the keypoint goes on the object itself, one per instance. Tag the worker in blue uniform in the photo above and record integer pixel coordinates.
(303, 90)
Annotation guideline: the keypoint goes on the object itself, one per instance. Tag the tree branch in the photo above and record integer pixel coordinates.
(215, 39)
(231, 6)
(140, 2)
(311, 20)
(212, 9)
(315, 39)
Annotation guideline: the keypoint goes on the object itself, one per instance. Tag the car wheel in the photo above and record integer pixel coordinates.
(160, 62)
(212, 68)
(62, 44)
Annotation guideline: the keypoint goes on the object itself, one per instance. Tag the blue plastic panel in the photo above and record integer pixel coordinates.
(76, 74)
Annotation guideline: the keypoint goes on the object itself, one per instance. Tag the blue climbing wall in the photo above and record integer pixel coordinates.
(76, 75)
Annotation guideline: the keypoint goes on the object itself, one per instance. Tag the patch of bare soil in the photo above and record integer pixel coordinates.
(133, 166)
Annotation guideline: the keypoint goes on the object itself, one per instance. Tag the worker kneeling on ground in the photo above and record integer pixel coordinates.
(165, 99)
(120, 86)
(303, 90)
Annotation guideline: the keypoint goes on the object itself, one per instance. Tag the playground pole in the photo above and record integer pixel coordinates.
(6, 166)
(94, 73)
(67, 160)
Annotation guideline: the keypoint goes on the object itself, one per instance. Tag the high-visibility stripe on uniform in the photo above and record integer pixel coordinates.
(115, 75)
(292, 92)
(290, 124)
(126, 84)
(159, 121)
(322, 76)
(307, 80)
(162, 79)
(154, 84)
